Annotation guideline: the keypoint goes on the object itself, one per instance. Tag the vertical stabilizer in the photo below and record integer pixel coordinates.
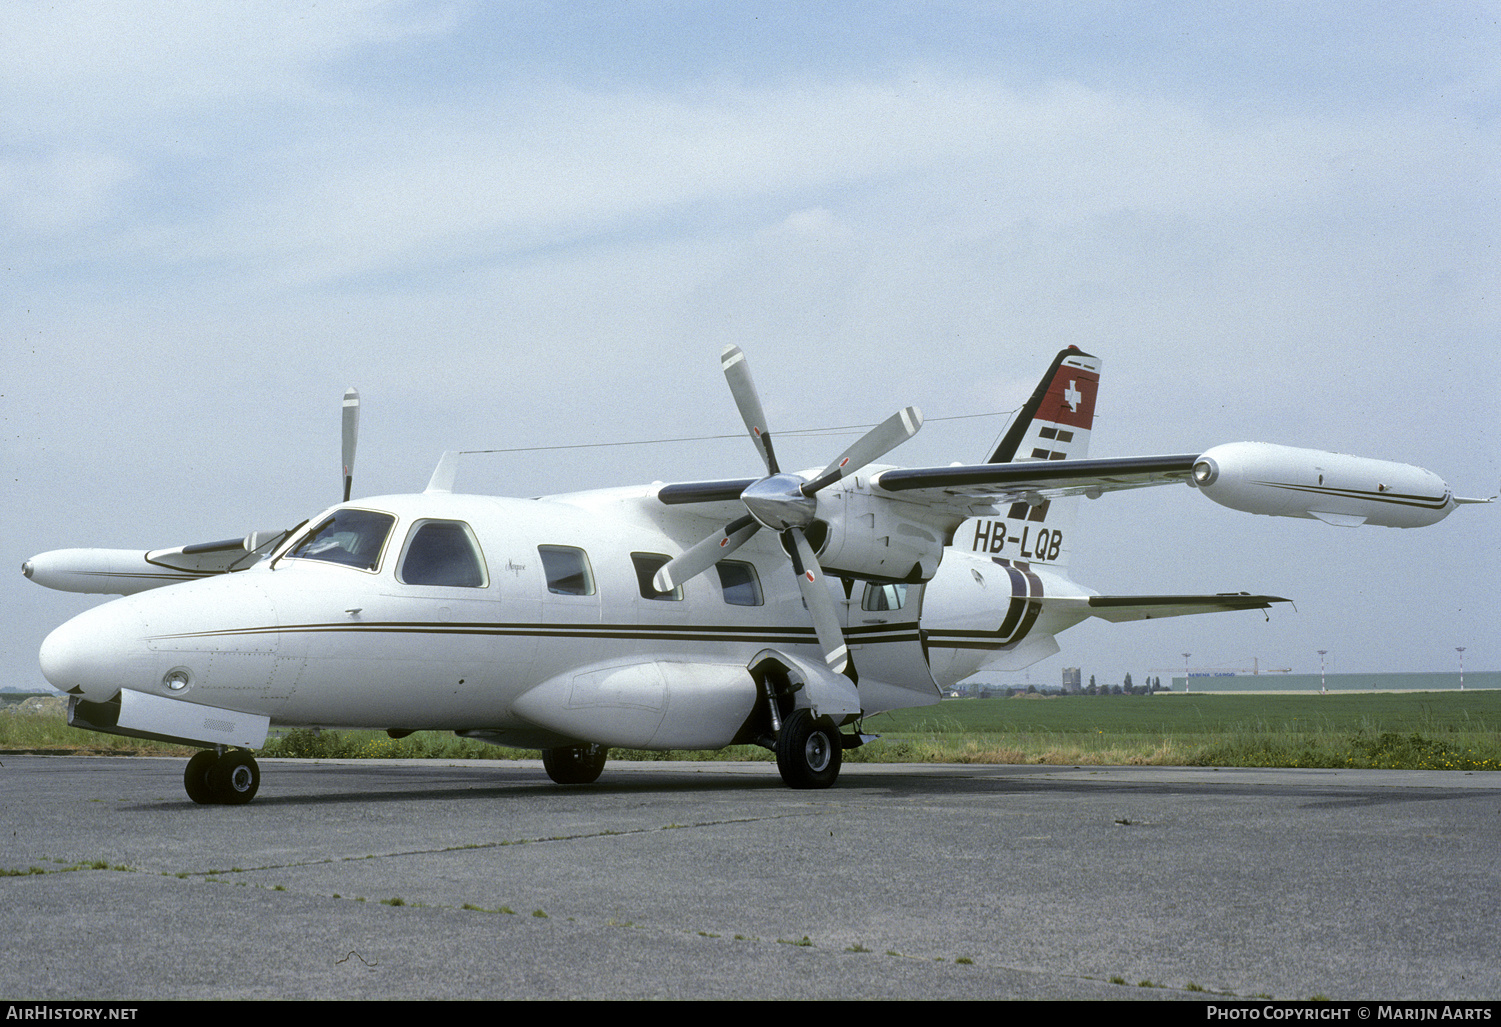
(1054, 424)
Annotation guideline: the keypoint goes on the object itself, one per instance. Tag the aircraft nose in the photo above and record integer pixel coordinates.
(97, 652)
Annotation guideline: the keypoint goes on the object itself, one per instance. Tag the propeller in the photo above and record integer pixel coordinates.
(787, 504)
(351, 436)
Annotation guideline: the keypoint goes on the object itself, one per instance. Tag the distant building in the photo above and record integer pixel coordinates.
(1398, 681)
(1071, 680)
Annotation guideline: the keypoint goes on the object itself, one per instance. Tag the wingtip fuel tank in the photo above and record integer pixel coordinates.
(1281, 481)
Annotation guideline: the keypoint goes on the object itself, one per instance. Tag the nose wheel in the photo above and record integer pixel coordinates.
(231, 779)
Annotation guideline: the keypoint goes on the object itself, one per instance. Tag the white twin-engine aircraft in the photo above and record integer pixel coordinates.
(777, 610)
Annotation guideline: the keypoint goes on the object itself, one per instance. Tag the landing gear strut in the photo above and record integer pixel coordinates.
(230, 779)
(809, 752)
(579, 765)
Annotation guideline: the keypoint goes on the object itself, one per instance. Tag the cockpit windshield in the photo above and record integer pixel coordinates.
(353, 538)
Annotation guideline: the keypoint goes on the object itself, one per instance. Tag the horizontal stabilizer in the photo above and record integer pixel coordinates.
(1126, 608)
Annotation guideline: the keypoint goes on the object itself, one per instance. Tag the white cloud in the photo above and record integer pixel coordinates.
(93, 62)
(219, 217)
(61, 191)
(404, 188)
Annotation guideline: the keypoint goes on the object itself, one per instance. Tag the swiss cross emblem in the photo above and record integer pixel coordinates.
(1073, 396)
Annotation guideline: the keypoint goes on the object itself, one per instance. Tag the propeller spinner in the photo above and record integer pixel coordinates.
(787, 504)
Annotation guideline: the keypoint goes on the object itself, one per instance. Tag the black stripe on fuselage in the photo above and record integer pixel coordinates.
(1021, 614)
(690, 633)
(149, 575)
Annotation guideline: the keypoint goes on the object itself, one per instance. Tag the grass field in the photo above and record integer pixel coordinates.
(1415, 730)
(1433, 730)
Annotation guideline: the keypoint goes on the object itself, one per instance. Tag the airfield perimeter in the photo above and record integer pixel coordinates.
(680, 880)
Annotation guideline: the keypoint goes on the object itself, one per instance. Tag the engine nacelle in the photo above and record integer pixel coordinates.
(1281, 481)
(868, 537)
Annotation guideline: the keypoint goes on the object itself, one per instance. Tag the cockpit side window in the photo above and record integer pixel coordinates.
(442, 553)
(353, 538)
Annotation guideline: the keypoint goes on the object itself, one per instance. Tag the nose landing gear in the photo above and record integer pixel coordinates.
(224, 779)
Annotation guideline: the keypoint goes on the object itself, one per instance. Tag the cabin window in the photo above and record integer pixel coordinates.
(647, 565)
(353, 538)
(883, 597)
(567, 570)
(739, 583)
(442, 553)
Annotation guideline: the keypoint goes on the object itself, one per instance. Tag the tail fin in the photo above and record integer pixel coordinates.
(1054, 424)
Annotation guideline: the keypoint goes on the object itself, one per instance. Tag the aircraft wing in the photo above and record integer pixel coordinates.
(939, 499)
(997, 483)
(1046, 479)
(127, 571)
(704, 491)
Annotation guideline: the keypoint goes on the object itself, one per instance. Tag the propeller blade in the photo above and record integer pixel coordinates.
(737, 373)
(873, 445)
(693, 562)
(351, 436)
(820, 604)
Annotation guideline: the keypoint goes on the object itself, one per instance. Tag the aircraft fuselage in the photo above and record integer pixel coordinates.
(521, 651)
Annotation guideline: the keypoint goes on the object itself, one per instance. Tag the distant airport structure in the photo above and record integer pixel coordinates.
(1440, 681)
(1075, 682)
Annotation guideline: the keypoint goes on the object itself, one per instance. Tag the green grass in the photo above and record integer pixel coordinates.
(49, 732)
(1420, 730)
(1416, 730)
(1205, 711)
(306, 744)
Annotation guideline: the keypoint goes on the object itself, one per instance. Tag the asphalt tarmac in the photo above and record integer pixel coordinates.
(483, 880)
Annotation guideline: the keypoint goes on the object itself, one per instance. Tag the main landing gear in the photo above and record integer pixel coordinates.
(578, 765)
(227, 779)
(809, 752)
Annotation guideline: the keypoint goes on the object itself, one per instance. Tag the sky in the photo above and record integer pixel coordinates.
(521, 225)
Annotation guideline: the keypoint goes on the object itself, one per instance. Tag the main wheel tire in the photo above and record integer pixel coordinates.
(577, 765)
(234, 778)
(195, 776)
(809, 752)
